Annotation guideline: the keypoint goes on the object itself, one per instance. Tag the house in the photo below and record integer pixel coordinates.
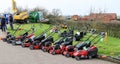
(75, 17)
(107, 17)
(85, 18)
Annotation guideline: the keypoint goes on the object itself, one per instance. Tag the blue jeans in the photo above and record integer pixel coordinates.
(3, 28)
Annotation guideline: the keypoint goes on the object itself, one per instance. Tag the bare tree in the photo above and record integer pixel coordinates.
(20, 9)
(56, 12)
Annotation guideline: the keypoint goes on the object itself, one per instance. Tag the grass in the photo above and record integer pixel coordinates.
(111, 47)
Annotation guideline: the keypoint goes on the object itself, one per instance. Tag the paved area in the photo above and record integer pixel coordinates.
(17, 55)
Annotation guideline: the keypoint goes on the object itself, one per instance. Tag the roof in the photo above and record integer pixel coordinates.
(100, 15)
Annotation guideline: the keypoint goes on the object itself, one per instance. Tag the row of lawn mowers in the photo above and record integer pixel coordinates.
(62, 45)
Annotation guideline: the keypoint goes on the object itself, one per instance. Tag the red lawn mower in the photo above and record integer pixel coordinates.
(84, 50)
(59, 48)
(69, 50)
(20, 39)
(36, 40)
(48, 45)
(40, 44)
(29, 41)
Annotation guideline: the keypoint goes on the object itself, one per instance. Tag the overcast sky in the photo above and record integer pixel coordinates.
(68, 7)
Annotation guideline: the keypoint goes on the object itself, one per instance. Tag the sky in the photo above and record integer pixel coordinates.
(67, 7)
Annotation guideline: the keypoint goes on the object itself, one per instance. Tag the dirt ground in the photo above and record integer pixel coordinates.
(17, 55)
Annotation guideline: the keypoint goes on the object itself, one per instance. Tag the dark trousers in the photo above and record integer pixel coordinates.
(11, 25)
(3, 27)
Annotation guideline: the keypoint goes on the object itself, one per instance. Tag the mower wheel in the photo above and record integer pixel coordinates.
(48, 51)
(62, 54)
(23, 45)
(77, 58)
(44, 50)
(4, 40)
(89, 57)
(13, 43)
(8, 42)
(95, 56)
(67, 55)
(53, 53)
(31, 47)
(73, 57)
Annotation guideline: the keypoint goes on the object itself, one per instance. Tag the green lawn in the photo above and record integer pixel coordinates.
(111, 47)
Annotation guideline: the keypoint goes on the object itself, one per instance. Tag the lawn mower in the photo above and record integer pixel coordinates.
(67, 33)
(49, 45)
(39, 38)
(40, 44)
(63, 37)
(79, 36)
(10, 36)
(20, 39)
(83, 50)
(70, 49)
(59, 47)
(60, 44)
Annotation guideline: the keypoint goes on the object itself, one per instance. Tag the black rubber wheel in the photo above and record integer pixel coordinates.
(67, 55)
(4, 40)
(62, 54)
(53, 53)
(95, 56)
(73, 57)
(8, 42)
(77, 58)
(31, 47)
(23, 45)
(13, 43)
(44, 50)
(89, 57)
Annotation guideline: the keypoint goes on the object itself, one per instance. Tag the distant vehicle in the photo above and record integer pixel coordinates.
(19, 17)
(45, 21)
(35, 17)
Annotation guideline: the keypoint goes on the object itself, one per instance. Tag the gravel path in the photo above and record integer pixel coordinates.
(17, 55)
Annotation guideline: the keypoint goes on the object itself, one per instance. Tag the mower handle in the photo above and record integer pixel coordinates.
(102, 35)
(90, 36)
(16, 29)
(46, 30)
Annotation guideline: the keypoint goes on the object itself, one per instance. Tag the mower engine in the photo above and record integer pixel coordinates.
(59, 48)
(89, 53)
(33, 40)
(70, 50)
(41, 44)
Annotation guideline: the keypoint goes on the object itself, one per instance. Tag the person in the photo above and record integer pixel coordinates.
(3, 24)
(11, 22)
(0, 23)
